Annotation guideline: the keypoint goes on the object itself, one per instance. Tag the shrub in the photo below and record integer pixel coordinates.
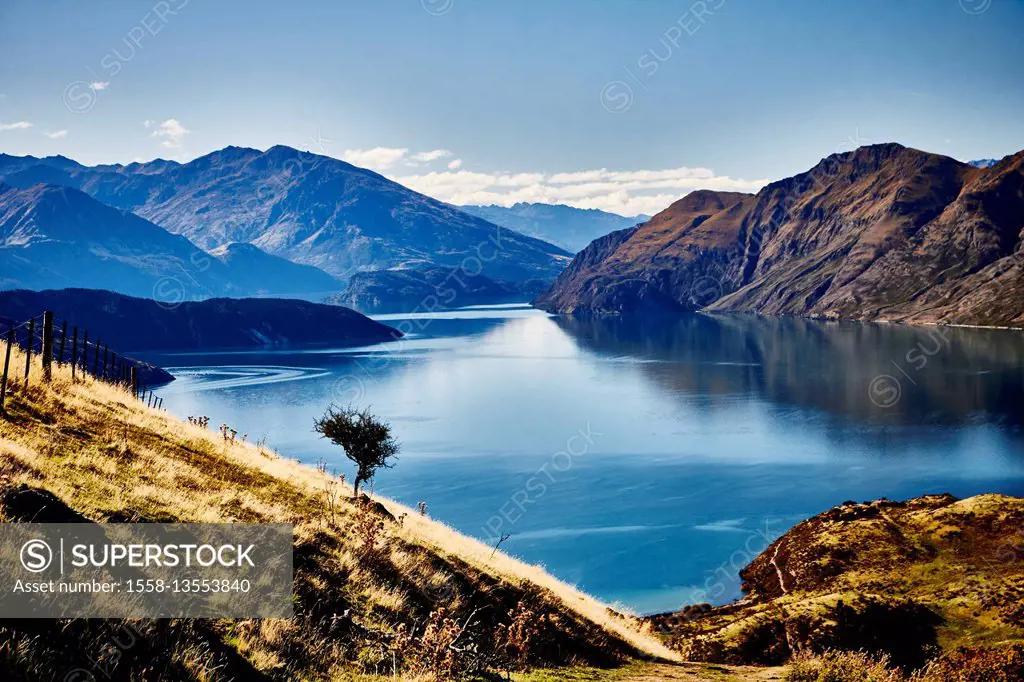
(843, 666)
(1005, 664)
(368, 528)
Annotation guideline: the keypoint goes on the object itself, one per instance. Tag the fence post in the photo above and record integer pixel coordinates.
(104, 375)
(47, 345)
(133, 380)
(96, 359)
(74, 352)
(113, 368)
(7, 363)
(63, 337)
(85, 352)
(28, 347)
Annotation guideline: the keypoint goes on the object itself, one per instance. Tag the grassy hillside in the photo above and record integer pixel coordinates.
(378, 588)
(902, 579)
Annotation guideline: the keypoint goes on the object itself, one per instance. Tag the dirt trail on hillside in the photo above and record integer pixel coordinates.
(699, 672)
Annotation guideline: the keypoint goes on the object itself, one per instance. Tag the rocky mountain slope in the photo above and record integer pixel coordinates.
(52, 236)
(308, 208)
(880, 233)
(133, 324)
(565, 226)
(255, 270)
(903, 578)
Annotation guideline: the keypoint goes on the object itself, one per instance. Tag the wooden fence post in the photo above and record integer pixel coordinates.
(104, 375)
(47, 345)
(28, 347)
(7, 363)
(74, 352)
(63, 337)
(85, 352)
(96, 359)
(133, 380)
(113, 368)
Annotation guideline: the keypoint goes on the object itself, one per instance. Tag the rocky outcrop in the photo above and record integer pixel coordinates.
(880, 233)
(900, 578)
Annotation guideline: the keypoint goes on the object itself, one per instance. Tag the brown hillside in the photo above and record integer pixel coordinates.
(882, 232)
(908, 579)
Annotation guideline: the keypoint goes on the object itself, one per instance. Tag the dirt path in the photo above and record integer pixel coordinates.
(699, 672)
(655, 672)
(778, 571)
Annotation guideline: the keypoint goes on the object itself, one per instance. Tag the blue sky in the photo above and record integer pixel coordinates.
(616, 105)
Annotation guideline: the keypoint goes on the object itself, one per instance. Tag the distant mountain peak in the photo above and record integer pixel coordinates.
(567, 226)
(320, 211)
(58, 236)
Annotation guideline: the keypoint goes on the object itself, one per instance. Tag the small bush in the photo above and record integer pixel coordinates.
(516, 642)
(1004, 664)
(370, 535)
(843, 666)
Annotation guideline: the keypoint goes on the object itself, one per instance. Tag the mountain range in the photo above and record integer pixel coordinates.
(883, 232)
(54, 236)
(565, 226)
(310, 209)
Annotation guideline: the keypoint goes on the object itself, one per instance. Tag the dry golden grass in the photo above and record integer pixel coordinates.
(107, 455)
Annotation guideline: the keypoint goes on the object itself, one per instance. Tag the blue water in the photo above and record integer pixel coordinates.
(646, 461)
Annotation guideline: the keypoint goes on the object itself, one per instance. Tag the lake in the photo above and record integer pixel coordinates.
(644, 460)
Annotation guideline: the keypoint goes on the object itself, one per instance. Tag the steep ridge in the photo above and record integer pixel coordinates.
(883, 232)
(308, 208)
(253, 269)
(53, 236)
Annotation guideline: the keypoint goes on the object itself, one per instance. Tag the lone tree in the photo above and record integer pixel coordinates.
(366, 440)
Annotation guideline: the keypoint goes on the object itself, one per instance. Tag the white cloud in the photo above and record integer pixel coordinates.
(170, 130)
(624, 192)
(432, 155)
(17, 125)
(627, 192)
(57, 134)
(382, 158)
(378, 158)
(99, 85)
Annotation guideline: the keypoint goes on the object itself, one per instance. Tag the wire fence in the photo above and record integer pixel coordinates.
(41, 339)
